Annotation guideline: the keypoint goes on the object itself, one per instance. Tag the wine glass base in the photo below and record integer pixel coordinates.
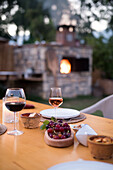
(15, 132)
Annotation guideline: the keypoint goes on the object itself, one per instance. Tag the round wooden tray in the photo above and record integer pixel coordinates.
(79, 118)
(59, 142)
(3, 129)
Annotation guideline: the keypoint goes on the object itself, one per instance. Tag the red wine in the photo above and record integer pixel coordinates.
(55, 101)
(15, 106)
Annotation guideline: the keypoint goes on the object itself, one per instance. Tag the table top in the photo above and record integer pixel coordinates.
(29, 151)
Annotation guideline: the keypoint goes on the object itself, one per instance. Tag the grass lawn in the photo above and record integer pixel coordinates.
(78, 103)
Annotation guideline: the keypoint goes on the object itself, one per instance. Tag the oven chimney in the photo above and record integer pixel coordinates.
(65, 35)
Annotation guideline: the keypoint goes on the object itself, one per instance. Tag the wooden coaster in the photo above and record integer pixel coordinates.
(79, 118)
(3, 129)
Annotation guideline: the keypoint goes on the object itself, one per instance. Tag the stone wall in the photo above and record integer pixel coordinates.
(72, 84)
(30, 57)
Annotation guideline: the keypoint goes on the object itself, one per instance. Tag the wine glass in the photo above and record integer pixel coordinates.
(15, 101)
(55, 98)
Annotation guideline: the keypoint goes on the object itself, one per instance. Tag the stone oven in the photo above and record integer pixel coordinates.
(64, 63)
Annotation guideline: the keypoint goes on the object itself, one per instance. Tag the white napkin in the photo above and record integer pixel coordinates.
(83, 134)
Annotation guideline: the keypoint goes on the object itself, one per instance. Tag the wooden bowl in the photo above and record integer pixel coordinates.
(59, 142)
(100, 150)
(30, 122)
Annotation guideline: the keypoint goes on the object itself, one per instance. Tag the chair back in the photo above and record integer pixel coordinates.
(105, 105)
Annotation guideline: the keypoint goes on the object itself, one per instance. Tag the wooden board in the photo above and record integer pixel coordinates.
(59, 142)
(71, 120)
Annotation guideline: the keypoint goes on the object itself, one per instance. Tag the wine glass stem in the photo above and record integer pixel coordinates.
(56, 112)
(14, 120)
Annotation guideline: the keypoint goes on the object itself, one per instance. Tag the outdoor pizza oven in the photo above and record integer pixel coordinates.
(64, 64)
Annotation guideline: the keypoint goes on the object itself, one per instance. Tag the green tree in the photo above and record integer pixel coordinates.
(6, 7)
(102, 55)
(29, 16)
(95, 10)
(102, 48)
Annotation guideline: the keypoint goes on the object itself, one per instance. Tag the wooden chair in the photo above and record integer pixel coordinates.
(105, 105)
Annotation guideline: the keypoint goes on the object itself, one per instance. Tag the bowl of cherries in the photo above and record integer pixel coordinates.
(57, 134)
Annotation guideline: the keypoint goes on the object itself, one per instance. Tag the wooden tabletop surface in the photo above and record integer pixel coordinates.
(29, 151)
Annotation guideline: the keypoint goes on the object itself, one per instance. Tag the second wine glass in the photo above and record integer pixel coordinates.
(55, 98)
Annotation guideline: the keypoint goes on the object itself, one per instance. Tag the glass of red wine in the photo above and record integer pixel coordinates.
(15, 101)
(55, 98)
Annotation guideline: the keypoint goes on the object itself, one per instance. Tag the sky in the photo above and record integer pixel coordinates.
(98, 26)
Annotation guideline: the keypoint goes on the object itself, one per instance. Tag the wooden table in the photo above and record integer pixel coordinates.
(29, 151)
